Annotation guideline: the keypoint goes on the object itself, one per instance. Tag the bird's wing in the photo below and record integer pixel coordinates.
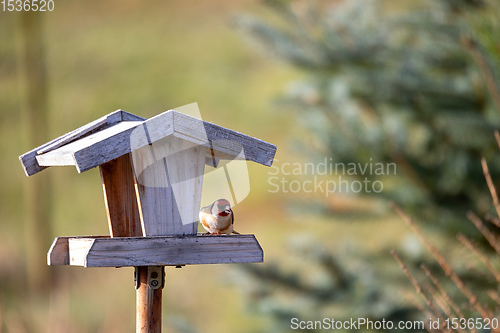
(204, 222)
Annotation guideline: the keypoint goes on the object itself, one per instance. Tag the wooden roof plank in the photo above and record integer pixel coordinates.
(94, 145)
(66, 155)
(29, 161)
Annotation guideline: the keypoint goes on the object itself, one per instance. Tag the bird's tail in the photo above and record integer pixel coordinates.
(235, 232)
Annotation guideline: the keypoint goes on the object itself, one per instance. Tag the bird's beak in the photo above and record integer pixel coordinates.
(227, 210)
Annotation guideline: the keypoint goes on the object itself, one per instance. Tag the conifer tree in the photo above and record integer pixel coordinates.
(408, 89)
(419, 89)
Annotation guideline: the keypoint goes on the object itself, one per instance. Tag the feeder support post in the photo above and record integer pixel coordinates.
(149, 283)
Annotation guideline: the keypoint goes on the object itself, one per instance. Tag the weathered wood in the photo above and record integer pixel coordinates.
(29, 161)
(148, 302)
(117, 178)
(113, 142)
(169, 179)
(94, 126)
(67, 155)
(59, 250)
(226, 143)
(155, 251)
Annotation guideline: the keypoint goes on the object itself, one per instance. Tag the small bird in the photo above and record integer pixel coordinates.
(218, 218)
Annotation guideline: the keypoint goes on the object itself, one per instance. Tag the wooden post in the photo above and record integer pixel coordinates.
(149, 284)
(117, 179)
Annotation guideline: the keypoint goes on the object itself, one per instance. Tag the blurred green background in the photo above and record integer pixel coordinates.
(146, 58)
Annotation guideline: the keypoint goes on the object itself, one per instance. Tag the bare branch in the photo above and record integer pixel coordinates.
(492, 219)
(491, 186)
(486, 233)
(443, 292)
(417, 286)
(484, 259)
(442, 262)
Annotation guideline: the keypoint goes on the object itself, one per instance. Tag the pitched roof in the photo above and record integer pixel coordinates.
(120, 132)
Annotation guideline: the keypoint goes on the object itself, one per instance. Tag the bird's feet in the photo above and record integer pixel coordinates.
(212, 233)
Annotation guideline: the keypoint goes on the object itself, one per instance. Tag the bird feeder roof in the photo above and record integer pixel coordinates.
(121, 132)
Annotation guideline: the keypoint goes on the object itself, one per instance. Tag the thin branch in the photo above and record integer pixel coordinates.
(491, 186)
(417, 286)
(492, 219)
(442, 262)
(497, 137)
(494, 296)
(486, 69)
(482, 228)
(421, 309)
(443, 292)
(484, 259)
(438, 299)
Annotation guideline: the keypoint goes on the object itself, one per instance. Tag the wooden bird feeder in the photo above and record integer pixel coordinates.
(152, 175)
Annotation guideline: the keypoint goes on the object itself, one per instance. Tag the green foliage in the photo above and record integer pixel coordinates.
(323, 285)
(398, 89)
(416, 89)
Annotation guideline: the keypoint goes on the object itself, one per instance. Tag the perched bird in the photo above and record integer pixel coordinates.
(218, 218)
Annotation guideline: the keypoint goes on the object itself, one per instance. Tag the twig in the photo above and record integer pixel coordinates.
(497, 137)
(438, 299)
(494, 296)
(492, 219)
(486, 69)
(418, 305)
(443, 292)
(482, 228)
(484, 259)
(491, 186)
(417, 286)
(442, 262)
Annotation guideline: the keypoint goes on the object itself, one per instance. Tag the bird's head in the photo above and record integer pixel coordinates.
(221, 207)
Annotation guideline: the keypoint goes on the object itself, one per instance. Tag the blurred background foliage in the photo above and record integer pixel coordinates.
(385, 81)
(418, 88)
(402, 88)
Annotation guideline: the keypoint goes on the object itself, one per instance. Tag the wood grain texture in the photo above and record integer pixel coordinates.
(169, 179)
(117, 178)
(148, 304)
(28, 160)
(226, 143)
(113, 142)
(156, 251)
(59, 250)
(71, 154)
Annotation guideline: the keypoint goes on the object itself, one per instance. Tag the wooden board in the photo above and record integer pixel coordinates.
(70, 154)
(29, 161)
(111, 143)
(169, 179)
(117, 178)
(59, 250)
(226, 143)
(154, 251)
